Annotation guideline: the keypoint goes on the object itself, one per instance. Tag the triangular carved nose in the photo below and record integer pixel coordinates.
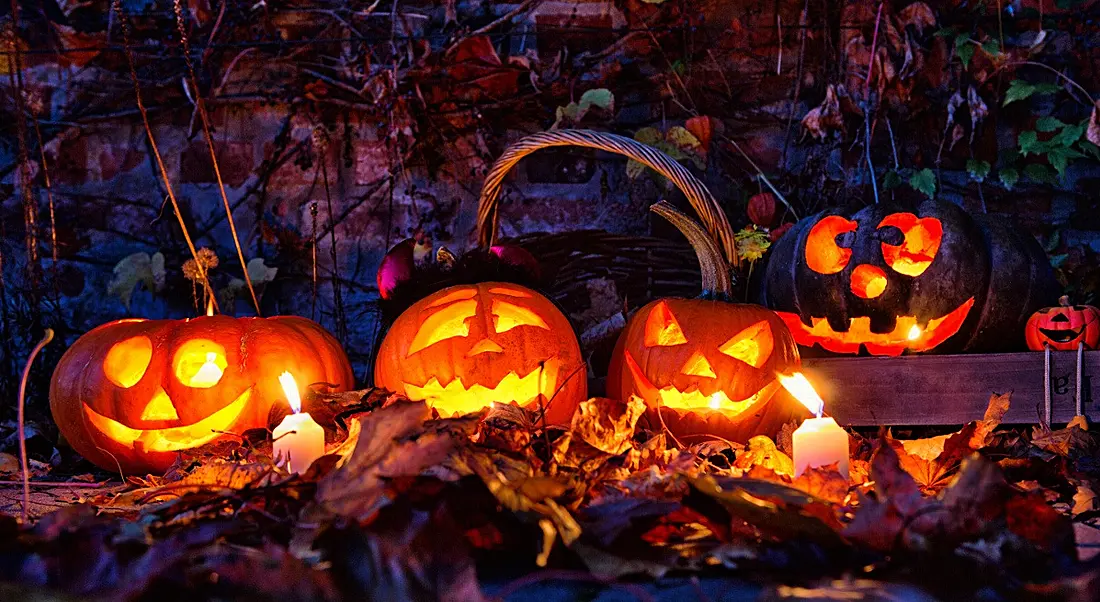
(160, 408)
(484, 346)
(697, 365)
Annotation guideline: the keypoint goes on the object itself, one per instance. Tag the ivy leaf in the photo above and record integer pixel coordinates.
(1018, 89)
(1029, 144)
(1048, 124)
(135, 268)
(650, 136)
(1009, 176)
(1040, 173)
(1069, 135)
(964, 49)
(1089, 149)
(600, 97)
(977, 169)
(1047, 88)
(891, 179)
(1060, 156)
(924, 181)
(992, 47)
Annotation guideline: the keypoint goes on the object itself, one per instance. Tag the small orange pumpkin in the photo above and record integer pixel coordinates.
(1064, 327)
(468, 346)
(131, 394)
(706, 366)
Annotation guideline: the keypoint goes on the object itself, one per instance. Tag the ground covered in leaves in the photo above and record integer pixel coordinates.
(409, 506)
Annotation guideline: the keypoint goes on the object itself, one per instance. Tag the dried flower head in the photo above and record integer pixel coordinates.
(207, 260)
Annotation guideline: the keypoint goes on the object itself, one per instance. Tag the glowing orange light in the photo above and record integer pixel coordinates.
(290, 389)
(868, 281)
(922, 241)
(914, 333)
(823, 255)
(210, 307)
(716, 401)
(797, 385)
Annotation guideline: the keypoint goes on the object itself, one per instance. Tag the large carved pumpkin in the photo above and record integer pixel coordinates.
(468, 346)
(1063, 327)
(706, 366)
(888, 279)
(129, 395)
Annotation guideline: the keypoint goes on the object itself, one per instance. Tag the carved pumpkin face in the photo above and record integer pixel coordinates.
(131, 394)
(469, 346)
(706, 366)
(1064, 327)
(890, 280)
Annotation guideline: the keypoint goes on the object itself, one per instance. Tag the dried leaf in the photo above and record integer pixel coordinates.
(607, 424)
(761, 451)
(1084, 500)
(824, 482)
(703, 130)
(388, 446)
(825, 118)
(994, 413)
(1093, 131)
(1072, 440)
(938, 459)
(917, 14)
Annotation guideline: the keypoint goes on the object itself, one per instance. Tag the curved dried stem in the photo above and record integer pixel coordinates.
(46, 338)
(715, 274)
(125, 26)
(200, 106)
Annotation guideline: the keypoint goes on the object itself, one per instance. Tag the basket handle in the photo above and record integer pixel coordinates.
(705, 205)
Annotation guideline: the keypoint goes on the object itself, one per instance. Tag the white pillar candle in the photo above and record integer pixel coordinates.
(819, 442)
(299, 440)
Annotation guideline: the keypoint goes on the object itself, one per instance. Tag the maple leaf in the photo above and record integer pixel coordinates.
(1072, 440)
(932, 461)
(607, 424)
(761, 451)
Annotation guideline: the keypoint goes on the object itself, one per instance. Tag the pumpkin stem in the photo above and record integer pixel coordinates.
(1064, 301)
(713, 268)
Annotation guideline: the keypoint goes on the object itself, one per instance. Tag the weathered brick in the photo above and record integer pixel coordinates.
(235, 159)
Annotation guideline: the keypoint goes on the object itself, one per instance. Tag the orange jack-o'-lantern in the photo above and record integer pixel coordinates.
(131, 394)
(1063, 327)
(468, 346)
(706, 366)
(889, 280)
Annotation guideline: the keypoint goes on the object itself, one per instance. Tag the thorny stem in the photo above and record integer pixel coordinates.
(46, 338)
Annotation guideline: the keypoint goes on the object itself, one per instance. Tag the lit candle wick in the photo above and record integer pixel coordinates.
(715, 401)
(801, 389)
(209, 373)
(298, 440)
(914, 333)
(290, 389)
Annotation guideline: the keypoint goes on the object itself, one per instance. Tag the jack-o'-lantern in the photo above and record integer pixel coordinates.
(1064, 327)
(888, 279)
(131, 394)
(706, 366)
(468, 346)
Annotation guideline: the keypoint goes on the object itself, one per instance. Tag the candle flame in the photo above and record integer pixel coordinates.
(914, 333)
(716, 401)
(290, 389)
(210, 307)
(798, 386)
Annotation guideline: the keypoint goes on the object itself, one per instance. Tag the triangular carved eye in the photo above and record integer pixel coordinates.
(662, 329)
(752, 345)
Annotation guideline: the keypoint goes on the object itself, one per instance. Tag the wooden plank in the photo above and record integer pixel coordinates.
(951, 389)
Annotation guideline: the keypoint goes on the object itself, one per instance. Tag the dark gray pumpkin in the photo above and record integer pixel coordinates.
(889, 279)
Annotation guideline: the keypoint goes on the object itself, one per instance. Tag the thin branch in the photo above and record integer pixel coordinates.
(46, 338)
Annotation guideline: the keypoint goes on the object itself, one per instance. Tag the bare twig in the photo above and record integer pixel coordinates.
(124, 24)
(522, 8)
(200, 107)
(46, 338)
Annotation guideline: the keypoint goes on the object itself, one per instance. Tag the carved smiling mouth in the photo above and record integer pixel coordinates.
(174, 438)
(693, 398)
(455, 398)
(906, 335)
(1062, 336)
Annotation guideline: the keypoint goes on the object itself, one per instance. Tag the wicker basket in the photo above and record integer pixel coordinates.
(642, 268)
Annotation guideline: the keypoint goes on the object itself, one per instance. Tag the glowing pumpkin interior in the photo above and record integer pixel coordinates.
(198, 363)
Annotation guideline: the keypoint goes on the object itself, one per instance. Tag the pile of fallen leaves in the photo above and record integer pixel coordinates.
(411, 506)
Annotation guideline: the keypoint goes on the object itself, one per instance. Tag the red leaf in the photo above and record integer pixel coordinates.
(762, 209)
(476, 48)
